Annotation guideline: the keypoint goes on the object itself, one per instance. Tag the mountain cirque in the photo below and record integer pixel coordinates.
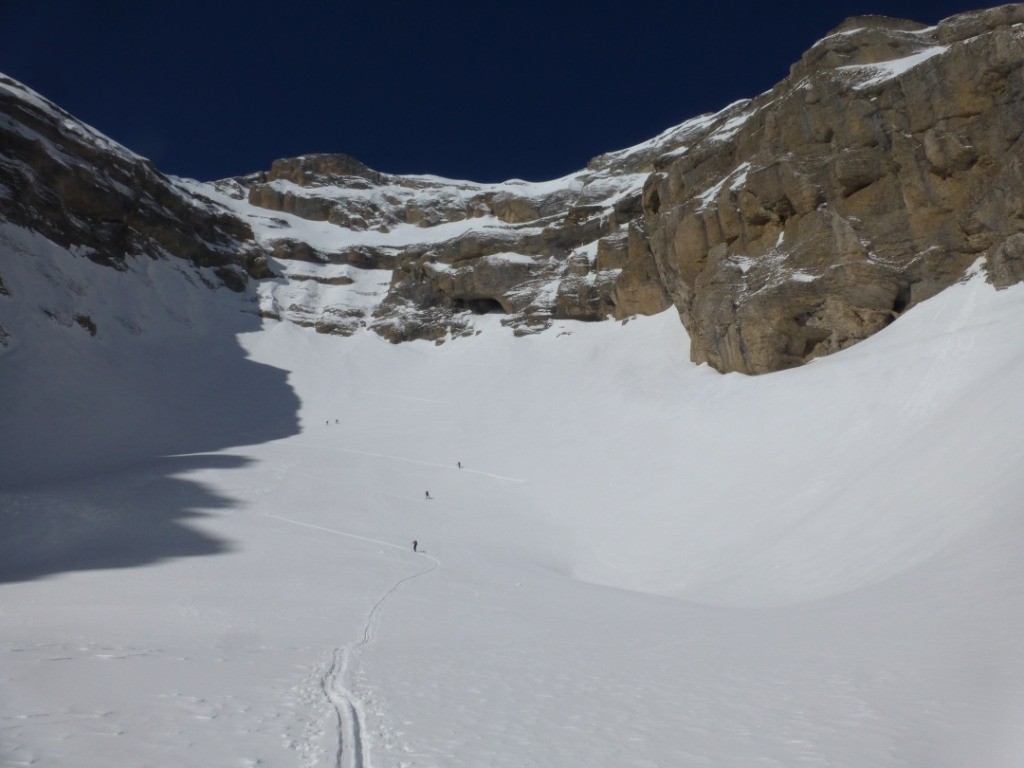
(782, 228)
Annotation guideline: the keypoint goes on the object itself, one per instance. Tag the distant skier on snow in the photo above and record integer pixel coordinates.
(415, 545)
(460, 465)
(428, 496)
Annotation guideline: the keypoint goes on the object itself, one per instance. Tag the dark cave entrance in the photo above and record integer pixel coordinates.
(484, 306)
(902, 300)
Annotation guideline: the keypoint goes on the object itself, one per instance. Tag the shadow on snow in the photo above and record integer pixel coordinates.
(95, 435)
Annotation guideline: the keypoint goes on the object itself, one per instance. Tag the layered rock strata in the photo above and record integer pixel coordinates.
(782, 228)
(532, 252)
(874, 176)
(81, 190)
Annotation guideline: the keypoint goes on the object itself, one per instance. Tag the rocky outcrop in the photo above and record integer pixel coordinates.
(534, 253)
(782, 228)
(872, 178)
(60, 178)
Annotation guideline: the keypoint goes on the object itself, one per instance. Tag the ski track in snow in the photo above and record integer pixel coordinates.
(335, 531)
(350, 717)
(411, 461)
(406, 397)
(400, 496)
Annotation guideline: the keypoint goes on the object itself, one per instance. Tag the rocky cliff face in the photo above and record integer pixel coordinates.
(532, 252)
(782, 228)
(79, 189)
(870, 179)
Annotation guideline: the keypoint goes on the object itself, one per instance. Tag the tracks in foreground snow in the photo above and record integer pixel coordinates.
(349, 716)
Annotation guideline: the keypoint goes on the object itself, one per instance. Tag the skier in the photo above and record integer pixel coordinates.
(460, 465)
(415, 545)
(428, 496)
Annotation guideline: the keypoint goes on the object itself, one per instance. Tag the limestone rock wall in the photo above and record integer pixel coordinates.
(781, 228)
(533, 253)
(872, 178)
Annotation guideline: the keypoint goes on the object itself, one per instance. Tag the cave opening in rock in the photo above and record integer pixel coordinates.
(654, 202)
(483, 306)
(902, 300)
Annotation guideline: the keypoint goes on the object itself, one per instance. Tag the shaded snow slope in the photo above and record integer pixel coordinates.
(640, 562)
(101, 367)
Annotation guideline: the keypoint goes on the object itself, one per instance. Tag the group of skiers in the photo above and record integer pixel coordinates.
(428, 497)
(426, 494)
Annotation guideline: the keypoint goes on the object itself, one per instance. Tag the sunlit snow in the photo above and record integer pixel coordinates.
(208, 521)
(887, 70)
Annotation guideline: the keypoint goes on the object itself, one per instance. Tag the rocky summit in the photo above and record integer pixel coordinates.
(781, 228)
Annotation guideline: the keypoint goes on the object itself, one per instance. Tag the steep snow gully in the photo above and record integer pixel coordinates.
(349, 715)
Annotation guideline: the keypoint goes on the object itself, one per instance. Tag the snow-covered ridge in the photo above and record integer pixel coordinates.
(66, 121)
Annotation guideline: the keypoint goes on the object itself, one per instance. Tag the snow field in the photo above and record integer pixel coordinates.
(640, 563)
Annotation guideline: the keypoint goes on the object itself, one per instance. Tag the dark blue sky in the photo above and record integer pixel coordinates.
(480, 90)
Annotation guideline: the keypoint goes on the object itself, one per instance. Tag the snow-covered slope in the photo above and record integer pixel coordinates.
(640, 562)
(99, 367)
(208, 509)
